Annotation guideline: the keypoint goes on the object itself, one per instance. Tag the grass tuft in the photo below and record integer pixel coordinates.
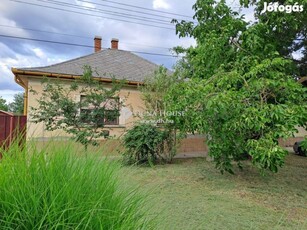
(54, 188)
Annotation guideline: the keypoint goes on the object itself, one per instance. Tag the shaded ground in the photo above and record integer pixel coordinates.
(192, 194)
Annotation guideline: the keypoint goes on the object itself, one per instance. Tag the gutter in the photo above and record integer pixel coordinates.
(16, 72)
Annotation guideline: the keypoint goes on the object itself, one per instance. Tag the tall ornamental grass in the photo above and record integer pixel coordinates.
(56, 189)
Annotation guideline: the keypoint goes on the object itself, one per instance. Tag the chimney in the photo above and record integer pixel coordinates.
(97, 43)
(114, 43)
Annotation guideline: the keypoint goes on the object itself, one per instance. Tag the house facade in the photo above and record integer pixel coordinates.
(106, 64)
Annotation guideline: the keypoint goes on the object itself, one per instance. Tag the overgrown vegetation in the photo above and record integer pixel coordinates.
(57, 189)
(144, 143)
(153, 139)
(304, 145)
(84, 118)
(242, 89)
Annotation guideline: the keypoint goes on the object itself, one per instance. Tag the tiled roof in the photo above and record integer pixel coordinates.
(107, 63)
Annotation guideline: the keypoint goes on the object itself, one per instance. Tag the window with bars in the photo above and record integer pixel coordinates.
(107, 114)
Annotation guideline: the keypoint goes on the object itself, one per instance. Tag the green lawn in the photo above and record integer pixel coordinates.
(192, 194)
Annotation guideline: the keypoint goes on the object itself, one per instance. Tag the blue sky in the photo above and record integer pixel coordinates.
(16, 15)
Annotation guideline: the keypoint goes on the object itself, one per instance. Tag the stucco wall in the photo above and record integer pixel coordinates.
(130, 96)
(301, 132)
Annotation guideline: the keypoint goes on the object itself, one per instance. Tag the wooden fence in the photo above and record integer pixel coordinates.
(11, 127)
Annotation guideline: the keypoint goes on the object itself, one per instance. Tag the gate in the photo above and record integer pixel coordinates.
(11, 127)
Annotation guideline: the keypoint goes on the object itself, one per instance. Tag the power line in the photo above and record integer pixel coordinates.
(82, 13)
(137, 44)
(157, 54)
(144, 8)
(80, 45)
(74, 35)
(44, 31)
(46, 41)
(130, 10)
(118, 14)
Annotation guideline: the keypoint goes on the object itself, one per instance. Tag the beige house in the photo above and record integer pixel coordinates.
(106, 63)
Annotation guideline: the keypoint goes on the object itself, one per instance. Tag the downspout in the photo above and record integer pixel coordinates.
(25, 103)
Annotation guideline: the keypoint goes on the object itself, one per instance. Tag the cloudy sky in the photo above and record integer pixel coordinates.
(77, 22)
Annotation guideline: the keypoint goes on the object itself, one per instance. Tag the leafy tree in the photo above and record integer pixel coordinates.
(17, 105)
(83, 119)
(3, 104)
(242, 90)
(286, 31)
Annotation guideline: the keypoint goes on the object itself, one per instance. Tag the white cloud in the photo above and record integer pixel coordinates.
(8, 86)
(85, 4)
(161, 4)
(39, 53)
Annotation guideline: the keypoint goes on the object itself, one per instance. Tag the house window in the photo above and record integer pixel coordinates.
(107, 114)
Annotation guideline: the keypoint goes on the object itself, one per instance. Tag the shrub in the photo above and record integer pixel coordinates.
(301, 147)
(144, 144)
(56, 189)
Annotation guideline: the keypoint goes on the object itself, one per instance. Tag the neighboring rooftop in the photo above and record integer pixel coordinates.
(108, 63)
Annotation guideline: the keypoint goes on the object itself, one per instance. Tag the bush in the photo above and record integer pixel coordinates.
(144, 144)
(56, 189)
(301, 148)
(304, 147)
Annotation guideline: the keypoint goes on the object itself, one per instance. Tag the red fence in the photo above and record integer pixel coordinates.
(11, 127)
